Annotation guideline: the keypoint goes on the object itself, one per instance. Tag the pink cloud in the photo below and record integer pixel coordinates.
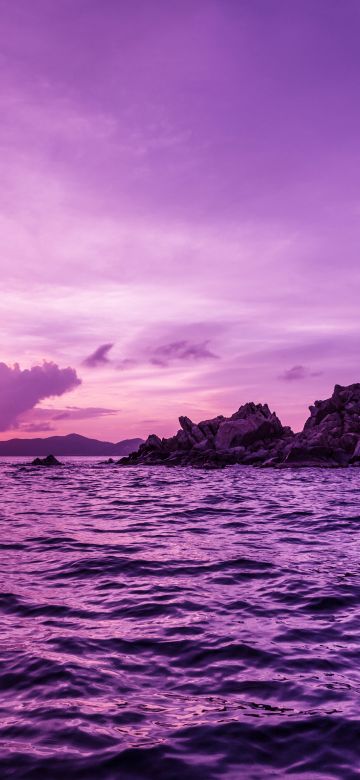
(22, 390)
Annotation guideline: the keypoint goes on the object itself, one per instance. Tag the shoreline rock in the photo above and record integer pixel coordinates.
(50, 460)
(255, 436)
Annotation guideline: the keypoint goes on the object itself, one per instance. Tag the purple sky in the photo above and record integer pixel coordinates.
(179, 210)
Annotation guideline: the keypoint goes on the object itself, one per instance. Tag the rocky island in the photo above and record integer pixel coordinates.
(255, 436)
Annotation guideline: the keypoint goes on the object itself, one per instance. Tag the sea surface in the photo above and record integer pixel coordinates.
(179, 624)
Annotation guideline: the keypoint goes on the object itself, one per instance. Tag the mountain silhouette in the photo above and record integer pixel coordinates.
(72, 444)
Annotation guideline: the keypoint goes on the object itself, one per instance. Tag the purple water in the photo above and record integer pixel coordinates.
(177, 624)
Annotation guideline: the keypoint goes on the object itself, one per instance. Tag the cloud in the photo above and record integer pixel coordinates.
(126, 364)
(167, 354)
(165, 345)
(36, 427)
(99, 357)
(160, 346)
(47, 419)
(21, 390)
(86, 413)
(297, 373)
(181, 350)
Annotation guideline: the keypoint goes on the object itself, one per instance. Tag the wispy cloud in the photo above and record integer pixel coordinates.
(126, 364)
(36, 427)
(182, 351)
(42, 419)
(172, 345)
(167, 355)
(297, 373)
(86, 413)
(99, 357)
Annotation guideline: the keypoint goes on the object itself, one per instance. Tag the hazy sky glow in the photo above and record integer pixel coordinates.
(179, 209)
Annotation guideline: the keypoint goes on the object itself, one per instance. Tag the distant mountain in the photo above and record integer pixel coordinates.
(73, 444)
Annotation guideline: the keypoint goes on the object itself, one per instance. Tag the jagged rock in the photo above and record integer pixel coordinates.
(50, 460)
(191, 430)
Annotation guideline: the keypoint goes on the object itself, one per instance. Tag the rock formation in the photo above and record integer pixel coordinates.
(255, 436)
(50, 460)
(331, 435)
(252, 435)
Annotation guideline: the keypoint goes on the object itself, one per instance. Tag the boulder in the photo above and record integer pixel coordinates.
(153, 442)
(249, 424)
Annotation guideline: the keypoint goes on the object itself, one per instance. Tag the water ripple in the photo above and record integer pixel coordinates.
(179, 624)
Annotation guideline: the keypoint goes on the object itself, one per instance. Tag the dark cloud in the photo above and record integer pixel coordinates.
(167, 354)
(181, 350)
(21, 390)
(163, 345)
(99, 357)
(297, 373)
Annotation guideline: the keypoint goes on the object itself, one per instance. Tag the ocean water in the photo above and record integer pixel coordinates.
(179, 624)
